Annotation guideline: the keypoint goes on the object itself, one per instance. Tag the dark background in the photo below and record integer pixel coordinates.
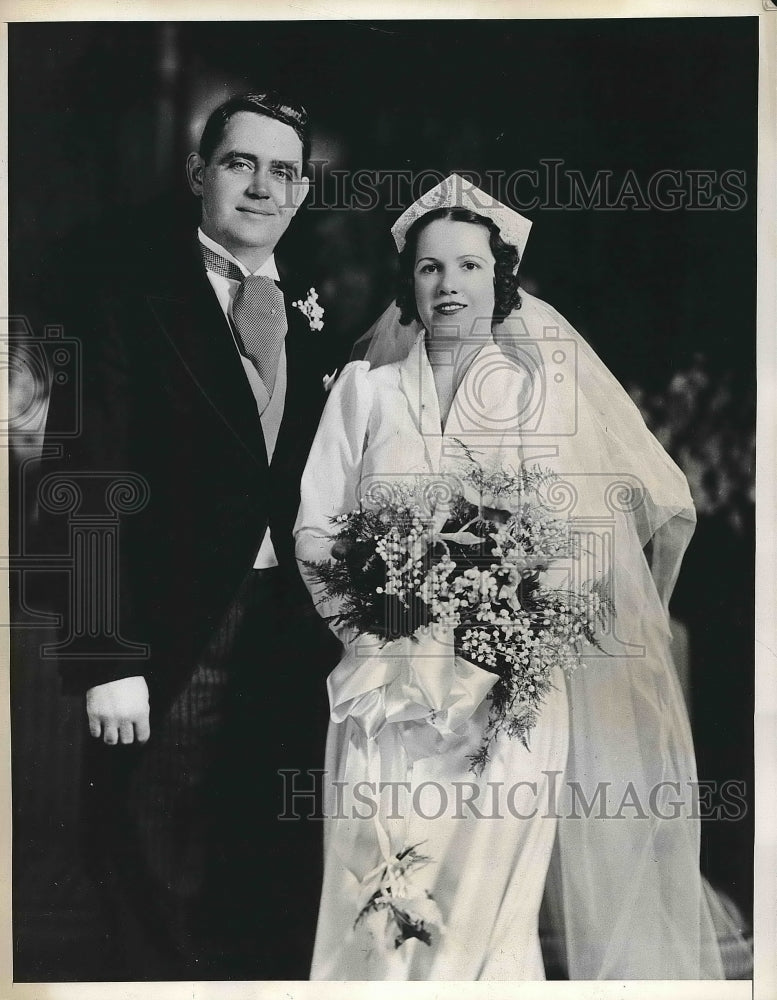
(101, 117)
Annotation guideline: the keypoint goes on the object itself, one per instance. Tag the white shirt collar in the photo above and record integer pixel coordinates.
(267, 270)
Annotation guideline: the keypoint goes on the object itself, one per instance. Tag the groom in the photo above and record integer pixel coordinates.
(202, 374)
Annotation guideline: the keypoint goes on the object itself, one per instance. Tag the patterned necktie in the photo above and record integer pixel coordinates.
(259, 314)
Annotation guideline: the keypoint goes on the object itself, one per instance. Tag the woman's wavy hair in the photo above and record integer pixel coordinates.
(506, 288)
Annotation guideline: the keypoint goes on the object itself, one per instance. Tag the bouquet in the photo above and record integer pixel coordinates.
(479, 567)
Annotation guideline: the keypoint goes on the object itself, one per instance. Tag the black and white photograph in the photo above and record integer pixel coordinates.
(381, 444)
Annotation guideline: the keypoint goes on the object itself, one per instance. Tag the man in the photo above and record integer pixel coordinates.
(202, 379)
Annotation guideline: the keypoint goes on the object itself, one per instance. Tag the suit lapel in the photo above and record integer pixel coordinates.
(304, 390)
(189, 316)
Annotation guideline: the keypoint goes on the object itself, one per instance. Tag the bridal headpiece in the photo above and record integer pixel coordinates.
(457, 192)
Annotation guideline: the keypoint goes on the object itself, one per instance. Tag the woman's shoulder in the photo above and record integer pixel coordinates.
(359, 386)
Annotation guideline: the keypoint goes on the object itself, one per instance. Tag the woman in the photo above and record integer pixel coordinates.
(598, 814)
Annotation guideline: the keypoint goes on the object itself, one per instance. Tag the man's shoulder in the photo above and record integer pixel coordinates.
(151, 250)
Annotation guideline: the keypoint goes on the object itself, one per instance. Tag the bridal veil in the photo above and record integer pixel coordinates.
(624, 892)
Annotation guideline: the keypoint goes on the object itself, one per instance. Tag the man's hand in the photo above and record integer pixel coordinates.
(118, 711)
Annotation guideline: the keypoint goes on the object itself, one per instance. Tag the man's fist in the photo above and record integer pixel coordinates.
(118, 711)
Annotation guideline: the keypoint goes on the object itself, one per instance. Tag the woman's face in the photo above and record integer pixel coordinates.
(454, 278)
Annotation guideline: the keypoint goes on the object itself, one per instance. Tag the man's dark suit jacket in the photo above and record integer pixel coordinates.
(165, 397)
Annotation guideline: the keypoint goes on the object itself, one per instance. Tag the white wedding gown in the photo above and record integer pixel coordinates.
(624, 892)
(381, 428)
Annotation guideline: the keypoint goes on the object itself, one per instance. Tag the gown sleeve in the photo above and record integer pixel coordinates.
(330, 482)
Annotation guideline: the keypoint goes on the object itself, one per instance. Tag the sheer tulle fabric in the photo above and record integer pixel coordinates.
(624, 889)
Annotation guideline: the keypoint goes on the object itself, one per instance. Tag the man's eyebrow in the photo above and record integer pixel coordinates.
(291, 164)
(235, 154)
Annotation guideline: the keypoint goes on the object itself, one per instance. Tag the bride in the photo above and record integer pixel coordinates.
(598, 816)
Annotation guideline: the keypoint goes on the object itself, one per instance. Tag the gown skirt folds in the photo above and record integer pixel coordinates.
(489, 837)
(624, 895)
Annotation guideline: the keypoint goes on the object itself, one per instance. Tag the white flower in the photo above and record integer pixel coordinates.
(422, 908)
(310, 308)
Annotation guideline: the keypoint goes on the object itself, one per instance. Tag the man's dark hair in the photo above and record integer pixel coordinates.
(506, 288)
(269, 104)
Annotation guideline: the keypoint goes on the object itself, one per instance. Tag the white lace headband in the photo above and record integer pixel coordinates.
(458, 192)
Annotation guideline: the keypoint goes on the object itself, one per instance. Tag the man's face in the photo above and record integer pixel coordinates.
(251, 187)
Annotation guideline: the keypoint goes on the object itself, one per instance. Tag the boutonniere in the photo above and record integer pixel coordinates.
(310, 308)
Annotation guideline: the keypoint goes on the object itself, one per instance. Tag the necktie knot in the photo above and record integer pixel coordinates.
(259, 315)
(220, 265)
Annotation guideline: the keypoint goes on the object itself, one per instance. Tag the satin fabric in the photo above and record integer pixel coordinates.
(411, 713)
(624, 890)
